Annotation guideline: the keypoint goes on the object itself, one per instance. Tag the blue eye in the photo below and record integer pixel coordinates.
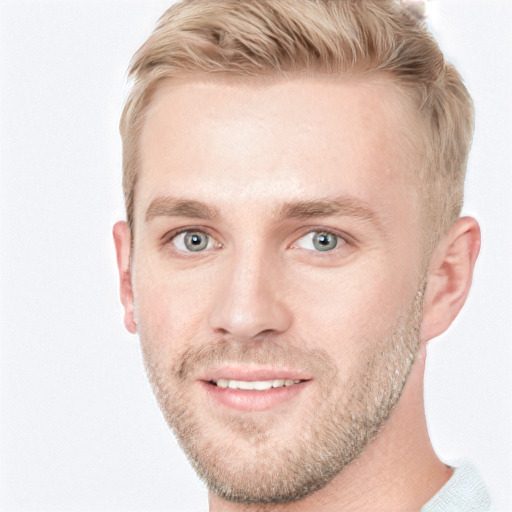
(192, 241)
(319, 241)
(323, 241)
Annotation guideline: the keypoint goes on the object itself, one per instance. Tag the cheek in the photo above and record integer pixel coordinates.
(347, 311)
(169, 311)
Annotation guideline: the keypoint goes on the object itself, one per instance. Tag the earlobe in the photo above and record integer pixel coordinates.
(122, 241)
(450, 276)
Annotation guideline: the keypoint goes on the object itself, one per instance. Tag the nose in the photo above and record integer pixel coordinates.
(250, 302)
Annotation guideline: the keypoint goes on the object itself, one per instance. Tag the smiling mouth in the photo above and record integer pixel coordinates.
(259, 385)
(249, 391)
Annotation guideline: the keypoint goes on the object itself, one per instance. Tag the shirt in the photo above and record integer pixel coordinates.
(464, 492)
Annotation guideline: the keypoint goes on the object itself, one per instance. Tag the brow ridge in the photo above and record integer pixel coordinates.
(323, 207)
(341, 205)
(178, 207)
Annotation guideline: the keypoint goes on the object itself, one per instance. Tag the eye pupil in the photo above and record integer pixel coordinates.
(195, 241)
(324, 241)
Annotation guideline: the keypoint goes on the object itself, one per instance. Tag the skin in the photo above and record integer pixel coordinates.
(244, 149)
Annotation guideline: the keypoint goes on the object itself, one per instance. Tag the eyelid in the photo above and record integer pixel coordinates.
(169, 236)
(347, 239)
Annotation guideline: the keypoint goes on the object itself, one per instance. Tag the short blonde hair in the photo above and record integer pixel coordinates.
(334, 37)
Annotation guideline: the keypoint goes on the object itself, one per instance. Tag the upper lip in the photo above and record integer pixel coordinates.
(250, 373)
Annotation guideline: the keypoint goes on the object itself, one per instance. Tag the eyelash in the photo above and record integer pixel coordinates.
(168, 238)
(345, 239)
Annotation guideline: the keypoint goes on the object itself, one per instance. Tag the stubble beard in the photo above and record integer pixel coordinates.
(244, 459)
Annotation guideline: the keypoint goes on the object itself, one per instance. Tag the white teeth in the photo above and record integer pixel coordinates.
(262, 385)
(258, 385)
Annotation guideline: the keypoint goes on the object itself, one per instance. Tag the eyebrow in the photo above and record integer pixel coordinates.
(176, 207)
(342, 205)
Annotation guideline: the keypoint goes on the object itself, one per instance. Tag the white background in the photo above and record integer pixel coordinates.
(80, 430)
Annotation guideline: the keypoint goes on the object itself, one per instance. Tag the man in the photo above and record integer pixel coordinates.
(293, 177)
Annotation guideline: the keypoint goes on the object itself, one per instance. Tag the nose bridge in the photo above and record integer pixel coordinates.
(250, 300)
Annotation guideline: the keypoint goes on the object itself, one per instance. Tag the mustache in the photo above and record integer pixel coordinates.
(263, 353)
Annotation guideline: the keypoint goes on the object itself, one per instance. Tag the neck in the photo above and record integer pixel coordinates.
(398, 471)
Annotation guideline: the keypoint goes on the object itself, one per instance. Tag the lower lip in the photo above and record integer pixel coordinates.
(252, 401)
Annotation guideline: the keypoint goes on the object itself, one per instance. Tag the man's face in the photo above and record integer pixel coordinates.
(276, 274)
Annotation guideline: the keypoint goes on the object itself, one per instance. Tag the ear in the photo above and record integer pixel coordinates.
(450, 276)
(122, 241)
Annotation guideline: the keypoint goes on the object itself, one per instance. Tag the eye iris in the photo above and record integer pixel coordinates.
(324, 241)
(195, 241)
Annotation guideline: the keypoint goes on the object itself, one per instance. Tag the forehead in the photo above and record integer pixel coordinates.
(249, 139)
